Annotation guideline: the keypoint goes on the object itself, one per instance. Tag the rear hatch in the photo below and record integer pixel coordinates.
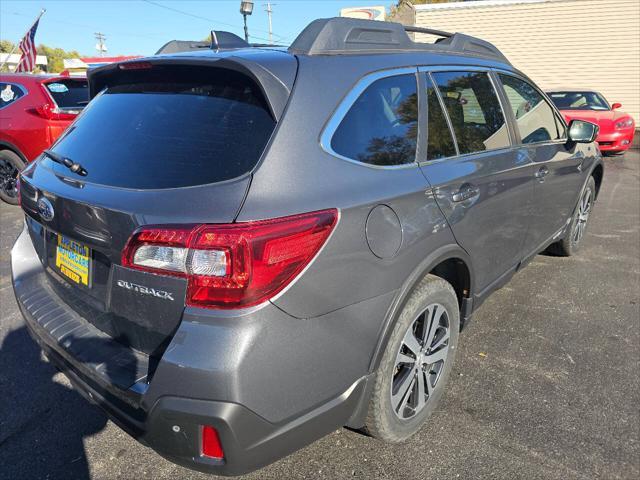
(162, 144)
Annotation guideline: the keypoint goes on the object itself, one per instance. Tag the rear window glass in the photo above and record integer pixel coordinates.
(69, 94)
(170, 127)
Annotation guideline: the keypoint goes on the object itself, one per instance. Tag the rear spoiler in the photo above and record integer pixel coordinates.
(275, 91)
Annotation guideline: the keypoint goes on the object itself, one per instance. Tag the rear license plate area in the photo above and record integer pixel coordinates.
(72, 260)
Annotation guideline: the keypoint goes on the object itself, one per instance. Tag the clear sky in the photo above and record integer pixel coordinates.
(143, 26)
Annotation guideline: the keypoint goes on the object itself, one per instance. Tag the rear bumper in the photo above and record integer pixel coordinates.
(244, 376)
(618, 141)
(172, 427)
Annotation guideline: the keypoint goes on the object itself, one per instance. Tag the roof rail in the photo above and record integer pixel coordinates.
(341, 36)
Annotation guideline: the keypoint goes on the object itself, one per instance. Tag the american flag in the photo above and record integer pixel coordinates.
(28, 47)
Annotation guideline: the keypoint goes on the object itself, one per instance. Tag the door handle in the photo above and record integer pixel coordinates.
(465, 193)
(541, 173)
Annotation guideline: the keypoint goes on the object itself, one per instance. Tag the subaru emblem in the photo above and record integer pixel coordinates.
(45, 209)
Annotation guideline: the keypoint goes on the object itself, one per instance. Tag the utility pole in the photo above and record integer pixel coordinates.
(100, 46)
(269, 11)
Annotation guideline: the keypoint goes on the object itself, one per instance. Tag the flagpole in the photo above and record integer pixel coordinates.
(25, 34)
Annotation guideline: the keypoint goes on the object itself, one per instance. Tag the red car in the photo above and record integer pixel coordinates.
(34, 111)
(616, 128)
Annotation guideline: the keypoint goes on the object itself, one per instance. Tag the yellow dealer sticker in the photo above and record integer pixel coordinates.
(73, 260)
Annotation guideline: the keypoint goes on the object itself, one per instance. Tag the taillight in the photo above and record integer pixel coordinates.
(49, 112)
(210, 444)
(235, 265)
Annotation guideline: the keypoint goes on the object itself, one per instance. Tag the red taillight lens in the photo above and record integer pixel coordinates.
(50, 112)
(235, 265)
(211, 446)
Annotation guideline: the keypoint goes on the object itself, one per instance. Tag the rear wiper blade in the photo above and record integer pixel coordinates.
(67, 162)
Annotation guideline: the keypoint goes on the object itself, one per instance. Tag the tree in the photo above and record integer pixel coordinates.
(6, 46)
(55, 56)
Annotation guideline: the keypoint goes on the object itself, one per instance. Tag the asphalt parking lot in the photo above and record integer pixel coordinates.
(546, 384)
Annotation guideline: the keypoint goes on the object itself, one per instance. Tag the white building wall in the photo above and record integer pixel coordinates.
(577, 44)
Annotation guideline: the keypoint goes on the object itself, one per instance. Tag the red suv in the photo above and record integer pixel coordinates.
(34, 111)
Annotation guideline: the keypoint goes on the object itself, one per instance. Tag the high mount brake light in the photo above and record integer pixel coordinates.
(135, 66)
(235, 265)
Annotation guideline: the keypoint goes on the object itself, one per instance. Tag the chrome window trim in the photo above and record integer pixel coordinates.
(462, 68)
(23, 89)
(545, 97)
(345, 105)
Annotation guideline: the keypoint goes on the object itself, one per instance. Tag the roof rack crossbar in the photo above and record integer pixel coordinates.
(342, 36)
(430, 31)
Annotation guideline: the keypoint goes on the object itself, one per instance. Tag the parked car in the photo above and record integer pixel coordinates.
(236, 252)
(34, 111)
(616, 128)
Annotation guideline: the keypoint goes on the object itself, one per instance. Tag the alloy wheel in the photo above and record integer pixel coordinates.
(8, 178)
(584, 209)
(420, 361)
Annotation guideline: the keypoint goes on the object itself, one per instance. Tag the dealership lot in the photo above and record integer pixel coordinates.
(546, 383)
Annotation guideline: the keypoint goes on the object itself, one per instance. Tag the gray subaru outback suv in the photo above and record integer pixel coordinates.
(236, 251)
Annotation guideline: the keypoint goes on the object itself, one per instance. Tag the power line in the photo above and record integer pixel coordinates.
(199, 17)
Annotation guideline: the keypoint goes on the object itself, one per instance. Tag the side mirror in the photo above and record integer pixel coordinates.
(615, 106)
(582, 132)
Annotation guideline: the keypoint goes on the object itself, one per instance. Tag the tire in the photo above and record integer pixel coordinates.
(10, 165)
(572, 241)
(394, 413)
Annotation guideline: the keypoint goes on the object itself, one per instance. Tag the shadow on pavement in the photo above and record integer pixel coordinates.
(42, 423)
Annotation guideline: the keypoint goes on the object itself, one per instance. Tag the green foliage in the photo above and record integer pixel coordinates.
(55, 56)
(6, 46)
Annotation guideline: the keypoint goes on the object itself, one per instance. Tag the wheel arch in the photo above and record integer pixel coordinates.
(449, 262)
(4, 145)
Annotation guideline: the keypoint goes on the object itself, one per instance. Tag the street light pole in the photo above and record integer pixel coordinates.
(246, 8)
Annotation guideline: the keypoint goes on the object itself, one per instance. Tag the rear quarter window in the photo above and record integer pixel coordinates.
(9, 93)
(381, 127)
(170, 127)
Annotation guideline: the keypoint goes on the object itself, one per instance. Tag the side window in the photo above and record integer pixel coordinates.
(536, 119)
(381, 127)
(9, 93)
(474, 110)
(439, 140)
